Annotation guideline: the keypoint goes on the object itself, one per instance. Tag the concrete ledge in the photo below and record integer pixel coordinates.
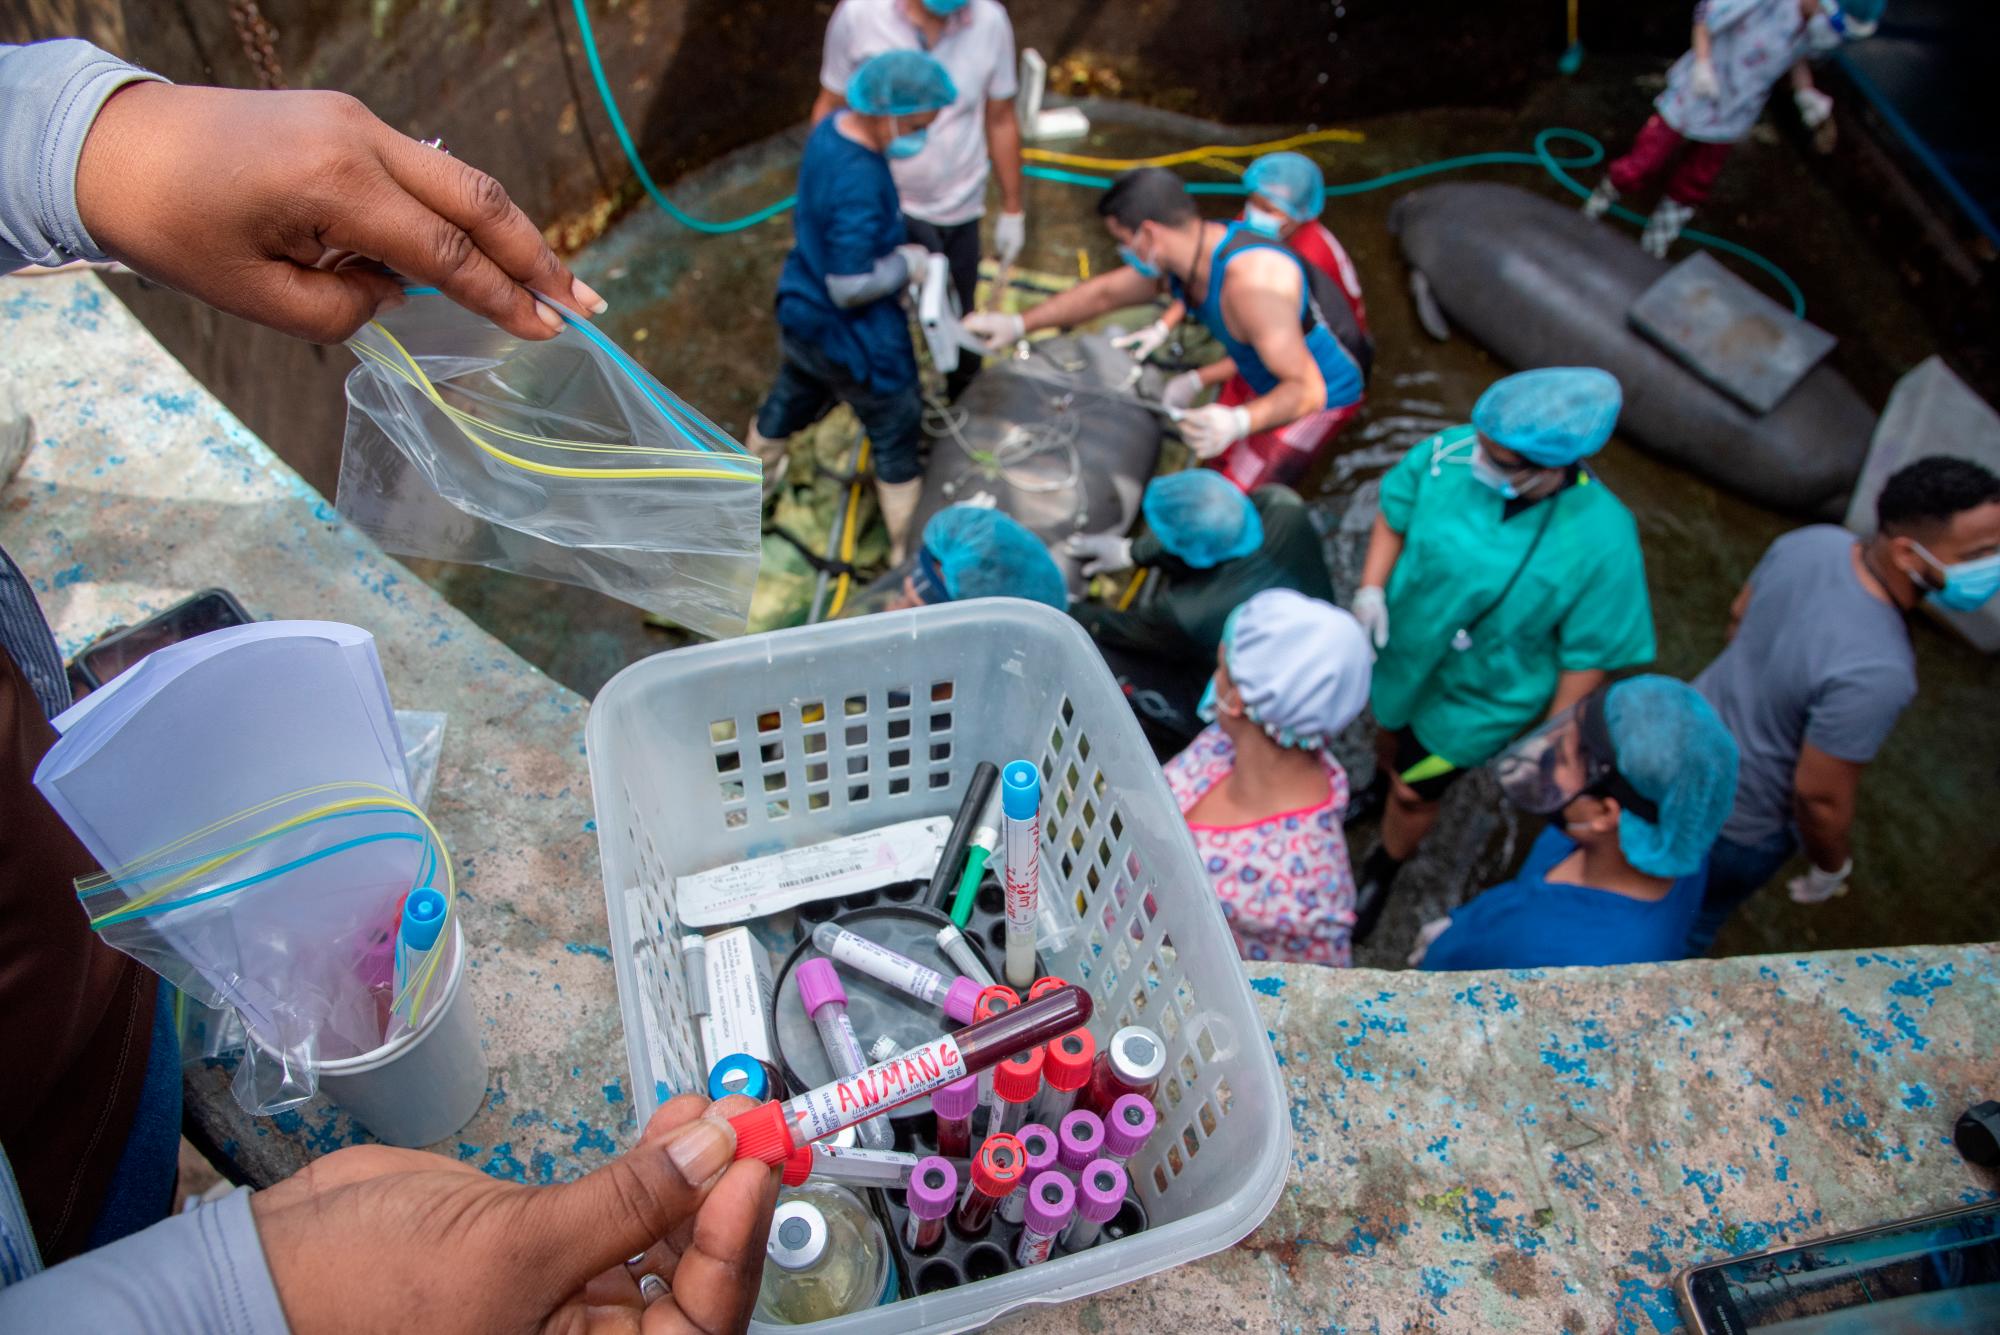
(1531, 1151)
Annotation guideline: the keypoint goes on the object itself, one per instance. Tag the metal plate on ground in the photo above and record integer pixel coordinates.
(1729, 333)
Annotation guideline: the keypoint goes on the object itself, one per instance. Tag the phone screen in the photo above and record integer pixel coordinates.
(1929, 1275)
(211, 609)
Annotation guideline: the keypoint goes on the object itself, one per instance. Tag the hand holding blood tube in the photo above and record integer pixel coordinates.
(771, 1131)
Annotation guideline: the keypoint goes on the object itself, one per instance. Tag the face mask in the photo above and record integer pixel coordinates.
(1264, 222)
(1145, 268)
(1492, 475)
(1843, 26)
(1967, 585)
(908, 145)
(1211, 702)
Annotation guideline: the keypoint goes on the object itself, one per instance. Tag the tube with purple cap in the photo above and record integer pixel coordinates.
(932, 1191)
(955, 998)
(953, 1105)
(1051, 1205)
(825, 1000)
(1081, 1139)
(1039, 1144)
(1129, 1125)
(1100, 1191)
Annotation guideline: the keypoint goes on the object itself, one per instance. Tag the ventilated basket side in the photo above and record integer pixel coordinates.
(720, 752)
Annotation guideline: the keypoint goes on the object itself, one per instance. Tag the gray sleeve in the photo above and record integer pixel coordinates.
(192, 1274)
(50, 94)
(889, 275)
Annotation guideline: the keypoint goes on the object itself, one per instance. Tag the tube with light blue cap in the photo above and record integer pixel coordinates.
(424, 914)
(1021, 808)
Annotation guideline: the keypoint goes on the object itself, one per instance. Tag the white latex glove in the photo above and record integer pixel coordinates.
(1181, 392)
(998, 330)
(1371, 609)
(1703, 83)
(1814, 106)
(1101, 553)
(1143, 343)
(1010, 233)
(1210, 430)
(1817, 885)
(916, 257)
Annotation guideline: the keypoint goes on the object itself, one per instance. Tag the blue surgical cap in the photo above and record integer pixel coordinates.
(900, 83)
(1550, 417)
(1202, 517)
(1292, 181)
(982, 553)
(1863, 11)
(1674, 750)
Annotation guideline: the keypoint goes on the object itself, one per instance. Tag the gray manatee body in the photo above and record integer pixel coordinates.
(1541, 285)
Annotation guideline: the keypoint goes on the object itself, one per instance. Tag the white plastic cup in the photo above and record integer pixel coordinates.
(423, 1085)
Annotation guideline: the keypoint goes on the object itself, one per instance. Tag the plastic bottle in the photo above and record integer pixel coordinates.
(826, 1257)
(1051, 1205)
(1039, 1144)
(1066, 1068)
(996, 1171)
(1100, 1191)
(1130, 1063)
(825, 1000)
(771, 1131)
(1128, 1127)
(953, 1105)
(954, 998)
(1016, 1083)
(929, 1197)
(1081, 1138)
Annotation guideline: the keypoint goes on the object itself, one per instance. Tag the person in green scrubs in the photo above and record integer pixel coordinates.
(1503, 582)
(1208, 549)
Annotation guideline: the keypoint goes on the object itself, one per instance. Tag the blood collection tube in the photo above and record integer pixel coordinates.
(770, 1130)
(1021, 834)
(1051, 1205)
(960, 952)
(953, 1105)
(1100, 1190)
(1016, 1082)
(1128, 1127)
(1130, 1063)
(825, 1000)
(932, 1190)
(990, 1003)
(1039, 1144)
(1044, 985)
(1065, 1070)
(954, 998)
(995, 1171)
(1081, 1138)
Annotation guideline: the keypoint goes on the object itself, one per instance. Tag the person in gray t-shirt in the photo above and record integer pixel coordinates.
(1819, 666)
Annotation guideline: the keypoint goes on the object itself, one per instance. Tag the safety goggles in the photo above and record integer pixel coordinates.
(1568, 757)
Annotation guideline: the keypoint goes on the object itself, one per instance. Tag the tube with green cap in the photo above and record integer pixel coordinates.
(985, 842)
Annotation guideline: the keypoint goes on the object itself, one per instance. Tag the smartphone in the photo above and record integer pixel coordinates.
(1937, 1273)
(111, 653)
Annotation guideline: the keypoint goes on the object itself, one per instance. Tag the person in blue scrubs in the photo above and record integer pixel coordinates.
(1640, 776)
(841, 325)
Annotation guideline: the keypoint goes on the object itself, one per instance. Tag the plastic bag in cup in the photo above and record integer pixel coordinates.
(561, 459)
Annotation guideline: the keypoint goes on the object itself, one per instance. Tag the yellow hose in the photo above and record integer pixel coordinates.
(848, 532)
(1126, 598)
(1195, 155)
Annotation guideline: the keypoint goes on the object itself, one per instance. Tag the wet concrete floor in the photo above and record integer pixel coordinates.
(697, 311)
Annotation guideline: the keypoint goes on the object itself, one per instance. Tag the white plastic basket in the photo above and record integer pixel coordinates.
(724, 751)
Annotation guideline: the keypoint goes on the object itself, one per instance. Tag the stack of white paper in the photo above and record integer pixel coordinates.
(203, 731)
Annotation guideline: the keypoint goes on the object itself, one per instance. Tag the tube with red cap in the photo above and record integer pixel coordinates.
(929, 1197)
(990, 1002)
(1039, 1144)
(953, 1105)
(954, 998)
(1131, 1122)
(995, 1172)
(1016, 1082)
(1065, 1070)
(1100, 1191)
(770, 1131)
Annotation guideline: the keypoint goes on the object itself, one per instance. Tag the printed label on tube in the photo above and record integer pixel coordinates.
(823, 1111)
(858, 952)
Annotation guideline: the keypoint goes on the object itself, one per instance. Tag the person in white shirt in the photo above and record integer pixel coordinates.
(943, 188)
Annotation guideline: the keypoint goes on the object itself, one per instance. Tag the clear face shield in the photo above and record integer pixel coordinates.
(1568, 757)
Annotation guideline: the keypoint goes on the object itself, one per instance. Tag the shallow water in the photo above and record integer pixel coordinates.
(696, 311)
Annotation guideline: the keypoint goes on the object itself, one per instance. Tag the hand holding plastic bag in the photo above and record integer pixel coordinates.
(562, 460)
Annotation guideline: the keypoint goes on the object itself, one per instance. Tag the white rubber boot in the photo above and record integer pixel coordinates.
(899, 507)
(777, 461)
(1601, 199)
(1666, 223)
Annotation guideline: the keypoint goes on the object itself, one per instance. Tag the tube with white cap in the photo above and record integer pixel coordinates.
(955, 998)
(960, 952)
(1021, 807)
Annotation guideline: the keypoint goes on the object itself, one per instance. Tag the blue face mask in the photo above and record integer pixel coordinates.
(908, 145)
(1967, 585)
(1490, 474)
(1205, 711)
(1140, 266)
(1264, 222)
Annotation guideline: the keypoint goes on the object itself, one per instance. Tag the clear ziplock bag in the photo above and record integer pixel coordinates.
(285, 915)
(561, 459)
